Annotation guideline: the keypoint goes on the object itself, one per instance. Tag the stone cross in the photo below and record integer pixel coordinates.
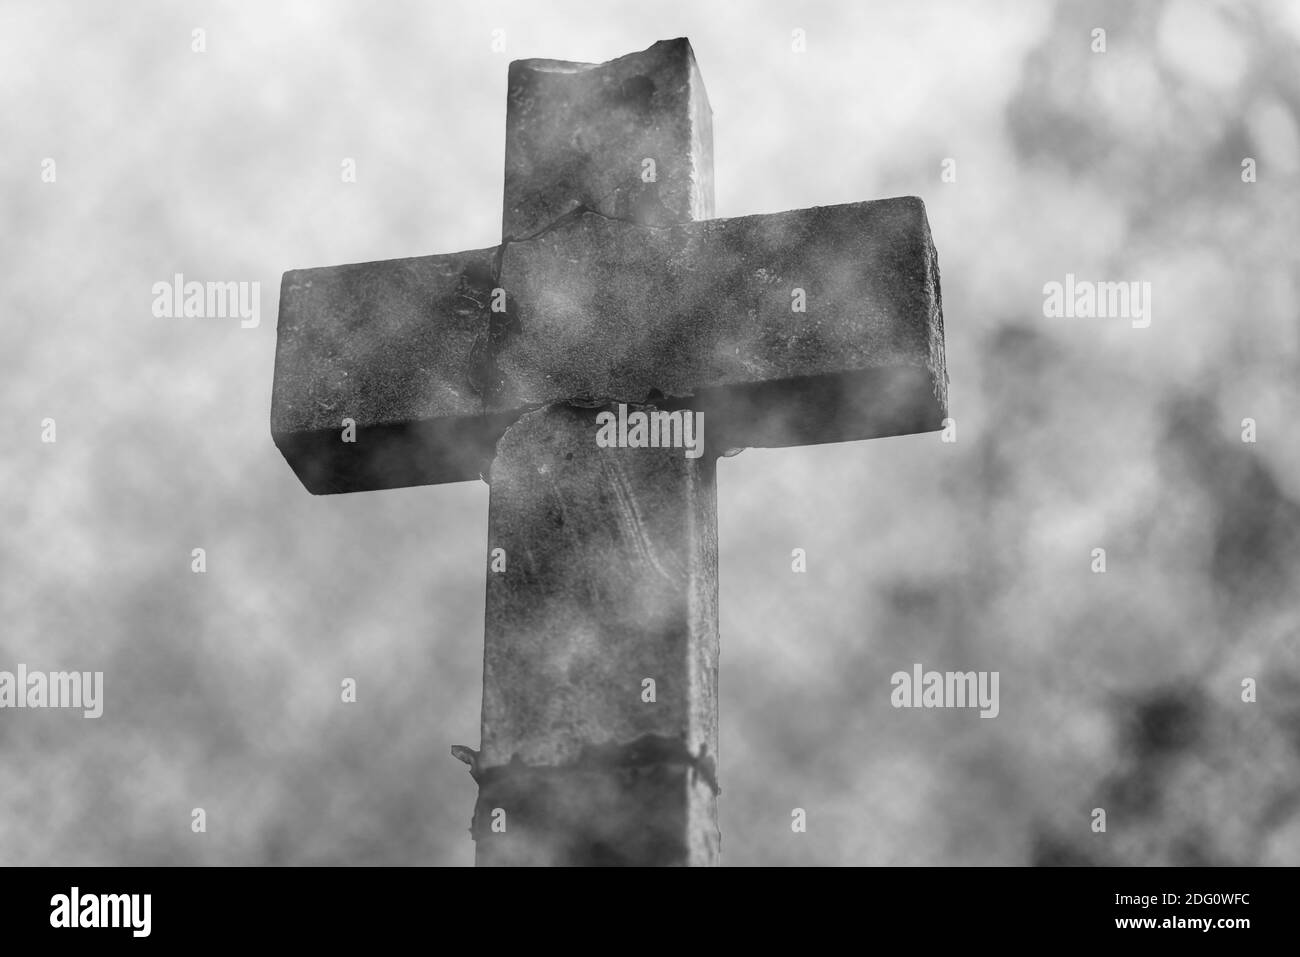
(612, 291)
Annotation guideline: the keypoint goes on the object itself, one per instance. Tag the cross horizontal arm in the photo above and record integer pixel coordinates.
(814, 325)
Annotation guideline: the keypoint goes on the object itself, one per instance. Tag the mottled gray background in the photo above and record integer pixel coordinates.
(1118, 690)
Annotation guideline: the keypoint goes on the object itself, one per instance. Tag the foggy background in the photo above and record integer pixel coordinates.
(1119, 690)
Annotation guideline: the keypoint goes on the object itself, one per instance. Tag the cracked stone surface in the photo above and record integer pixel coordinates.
(612, 557)
(610, 579)
(578, 134)
(601, 310)
(620, 312)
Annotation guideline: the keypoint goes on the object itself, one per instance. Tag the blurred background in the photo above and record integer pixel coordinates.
(1119, 690)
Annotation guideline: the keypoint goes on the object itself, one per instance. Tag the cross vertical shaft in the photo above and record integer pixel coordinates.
(600, 710)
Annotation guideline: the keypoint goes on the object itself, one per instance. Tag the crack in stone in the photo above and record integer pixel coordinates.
(636, 776)
(647, 750)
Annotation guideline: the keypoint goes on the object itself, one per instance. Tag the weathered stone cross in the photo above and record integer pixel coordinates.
(611, 285)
